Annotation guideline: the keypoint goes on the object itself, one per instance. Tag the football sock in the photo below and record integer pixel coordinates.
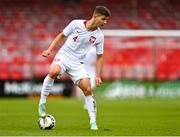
(46, 88)
(91, 107)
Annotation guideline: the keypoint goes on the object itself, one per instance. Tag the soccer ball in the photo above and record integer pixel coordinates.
(48, 122)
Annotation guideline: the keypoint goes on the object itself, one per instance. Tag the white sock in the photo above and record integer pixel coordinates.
(91, 107)
(46, 88)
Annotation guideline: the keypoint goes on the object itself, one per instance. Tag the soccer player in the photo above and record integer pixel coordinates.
(81, 35)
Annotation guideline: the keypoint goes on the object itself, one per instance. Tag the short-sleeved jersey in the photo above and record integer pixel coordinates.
(79, 40)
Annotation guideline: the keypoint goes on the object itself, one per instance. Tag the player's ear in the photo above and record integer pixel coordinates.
(95, 15)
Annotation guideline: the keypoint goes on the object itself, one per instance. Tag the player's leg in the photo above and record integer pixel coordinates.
(79, 75)
(92, 74)
(55, 70)
(85, 86)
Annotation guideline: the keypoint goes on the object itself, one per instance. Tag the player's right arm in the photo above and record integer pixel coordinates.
(54, 44)
(66, 32)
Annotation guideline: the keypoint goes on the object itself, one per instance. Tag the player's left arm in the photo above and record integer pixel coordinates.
(99, 65)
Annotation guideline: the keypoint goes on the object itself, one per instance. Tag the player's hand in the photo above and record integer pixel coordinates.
(98, 81)
(46, 53)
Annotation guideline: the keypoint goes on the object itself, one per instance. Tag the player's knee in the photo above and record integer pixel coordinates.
(88, 91)
(54, 73)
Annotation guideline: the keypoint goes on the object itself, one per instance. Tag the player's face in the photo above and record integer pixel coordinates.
(101, 20)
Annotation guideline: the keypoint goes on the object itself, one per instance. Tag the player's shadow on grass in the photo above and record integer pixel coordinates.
(106, 129)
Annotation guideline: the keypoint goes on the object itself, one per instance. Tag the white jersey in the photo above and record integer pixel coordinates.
(80, 40)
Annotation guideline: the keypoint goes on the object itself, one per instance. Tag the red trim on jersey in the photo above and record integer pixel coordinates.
(85, 23)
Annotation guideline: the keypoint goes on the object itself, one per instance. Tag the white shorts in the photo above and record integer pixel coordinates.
(75, 69)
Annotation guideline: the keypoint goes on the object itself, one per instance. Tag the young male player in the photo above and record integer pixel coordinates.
(81, 35)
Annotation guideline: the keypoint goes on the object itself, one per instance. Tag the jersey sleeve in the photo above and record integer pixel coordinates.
(69, 28)
(100, 46)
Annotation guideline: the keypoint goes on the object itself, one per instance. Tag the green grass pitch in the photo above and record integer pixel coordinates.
(127, 117)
